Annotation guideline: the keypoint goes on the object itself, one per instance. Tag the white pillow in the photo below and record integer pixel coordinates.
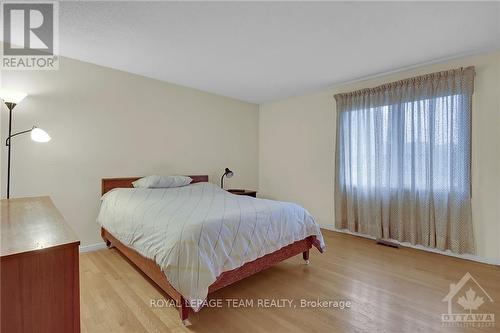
(161, 181)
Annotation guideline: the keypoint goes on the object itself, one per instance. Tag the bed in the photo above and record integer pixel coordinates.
(196, 239)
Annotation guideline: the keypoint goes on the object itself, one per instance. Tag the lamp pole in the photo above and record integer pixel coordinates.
(10, 106)
(8, 142)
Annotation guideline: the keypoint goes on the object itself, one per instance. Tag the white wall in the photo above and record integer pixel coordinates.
(108, 123)
(297, 148)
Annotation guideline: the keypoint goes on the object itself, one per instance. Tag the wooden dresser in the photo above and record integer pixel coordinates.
(40, 289)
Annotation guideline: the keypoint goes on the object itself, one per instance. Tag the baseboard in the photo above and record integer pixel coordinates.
(472, 257)
(92, 247)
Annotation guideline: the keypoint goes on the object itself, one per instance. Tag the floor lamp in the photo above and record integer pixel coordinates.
(11, 98)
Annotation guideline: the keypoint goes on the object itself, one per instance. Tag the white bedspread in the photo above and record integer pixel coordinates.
(199, 231)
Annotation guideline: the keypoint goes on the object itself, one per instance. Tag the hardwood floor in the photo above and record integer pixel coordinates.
(391, 290)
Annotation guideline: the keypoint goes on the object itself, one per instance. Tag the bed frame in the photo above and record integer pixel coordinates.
(154, 272)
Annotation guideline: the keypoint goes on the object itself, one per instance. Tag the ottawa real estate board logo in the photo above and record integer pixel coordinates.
(465, 299)
(30, 32)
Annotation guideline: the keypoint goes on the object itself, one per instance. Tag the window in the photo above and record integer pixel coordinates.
(417, 138)
(402, 167)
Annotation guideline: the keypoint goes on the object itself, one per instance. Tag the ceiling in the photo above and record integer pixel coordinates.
(261, 52)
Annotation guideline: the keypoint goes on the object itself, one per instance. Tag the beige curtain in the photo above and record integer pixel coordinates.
(403, 161)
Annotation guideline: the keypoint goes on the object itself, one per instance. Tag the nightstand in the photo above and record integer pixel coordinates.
(243, 192)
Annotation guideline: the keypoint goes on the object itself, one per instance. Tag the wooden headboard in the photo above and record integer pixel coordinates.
(107, 184)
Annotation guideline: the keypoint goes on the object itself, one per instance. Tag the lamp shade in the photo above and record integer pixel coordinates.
(228, 173)
(39, 135)
(12, 96)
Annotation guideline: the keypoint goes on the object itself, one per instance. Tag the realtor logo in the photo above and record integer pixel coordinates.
(469, 295)
(30, 35)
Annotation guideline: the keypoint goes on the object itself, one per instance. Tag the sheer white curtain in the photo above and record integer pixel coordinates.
(403, 161)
